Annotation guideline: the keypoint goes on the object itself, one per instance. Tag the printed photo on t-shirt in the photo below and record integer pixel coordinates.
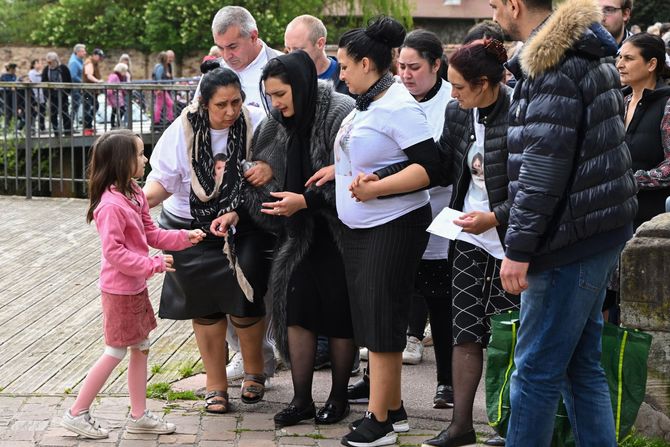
(476, 165)
(342, 157)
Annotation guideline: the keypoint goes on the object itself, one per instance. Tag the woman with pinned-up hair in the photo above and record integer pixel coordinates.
(475, 134)
(386, 214)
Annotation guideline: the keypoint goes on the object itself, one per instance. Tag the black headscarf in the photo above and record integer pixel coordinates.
(301, 74)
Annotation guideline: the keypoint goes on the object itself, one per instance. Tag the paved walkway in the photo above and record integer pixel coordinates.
(50, 335)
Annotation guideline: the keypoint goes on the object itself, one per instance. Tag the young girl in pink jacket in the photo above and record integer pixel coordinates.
(121, 214)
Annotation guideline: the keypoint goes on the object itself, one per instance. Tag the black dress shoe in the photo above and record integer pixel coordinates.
(495, 440)
(444, 439)
(292, 415)
(332, 414)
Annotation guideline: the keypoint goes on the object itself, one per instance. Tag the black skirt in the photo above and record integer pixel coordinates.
(204, 284)
(317, 297)
(381, 265)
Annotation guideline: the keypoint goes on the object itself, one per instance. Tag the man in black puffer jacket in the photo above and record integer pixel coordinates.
(573, 200)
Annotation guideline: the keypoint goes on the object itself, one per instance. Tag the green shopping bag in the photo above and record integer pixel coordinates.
(624, 360)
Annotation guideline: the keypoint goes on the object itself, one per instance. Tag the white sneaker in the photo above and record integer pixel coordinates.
(413, 353)
(235, 368)
(84, 425)
(150, 423)
(363, 353)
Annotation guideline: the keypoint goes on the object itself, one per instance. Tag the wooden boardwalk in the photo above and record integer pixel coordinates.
(50, 315)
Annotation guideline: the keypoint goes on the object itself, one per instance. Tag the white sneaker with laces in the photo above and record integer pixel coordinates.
(413, 353)
(150, 423)
(235, 368)
(84, 425)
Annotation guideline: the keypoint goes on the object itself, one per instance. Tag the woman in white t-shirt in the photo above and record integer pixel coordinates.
(419, 68)
(386, 218)
(205, 288)
(475, 134)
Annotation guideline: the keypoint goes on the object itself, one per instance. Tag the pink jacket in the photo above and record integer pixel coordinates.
(116, 98)
(126, 232)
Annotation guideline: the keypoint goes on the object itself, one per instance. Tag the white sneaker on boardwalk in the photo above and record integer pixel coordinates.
(235, 368)
(413, 353)
(84, 425)
(150, 423)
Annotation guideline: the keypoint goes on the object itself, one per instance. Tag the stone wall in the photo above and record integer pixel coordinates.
(645, 303)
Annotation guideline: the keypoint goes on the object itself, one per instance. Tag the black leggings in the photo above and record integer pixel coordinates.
(433, 297)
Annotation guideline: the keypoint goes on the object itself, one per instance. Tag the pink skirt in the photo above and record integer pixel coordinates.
(127, 319)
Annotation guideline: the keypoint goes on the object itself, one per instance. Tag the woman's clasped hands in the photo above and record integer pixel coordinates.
(365, 187)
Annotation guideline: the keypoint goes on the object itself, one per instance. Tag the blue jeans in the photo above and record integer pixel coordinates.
(558, 354)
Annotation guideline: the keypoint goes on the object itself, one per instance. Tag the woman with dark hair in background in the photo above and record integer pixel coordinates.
(479, 173)
(386, 216)
(642, 66)
(205, 287)
(419, 67)
(310, 291)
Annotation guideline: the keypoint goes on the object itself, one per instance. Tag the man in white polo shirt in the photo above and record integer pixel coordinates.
(236, 34)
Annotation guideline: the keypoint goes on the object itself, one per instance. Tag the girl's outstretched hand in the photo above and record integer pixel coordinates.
(195, 236)
(169, 262)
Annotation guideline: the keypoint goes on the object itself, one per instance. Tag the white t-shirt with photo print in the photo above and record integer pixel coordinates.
(371, 140)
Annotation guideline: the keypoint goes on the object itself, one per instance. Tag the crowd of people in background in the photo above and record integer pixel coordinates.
(77, 107)
(308, 181)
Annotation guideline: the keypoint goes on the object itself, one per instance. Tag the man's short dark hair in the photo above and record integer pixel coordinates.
(544, 5)
(627, 4)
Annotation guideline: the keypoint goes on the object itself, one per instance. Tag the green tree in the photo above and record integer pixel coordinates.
(19, 18)
(185, 25)
(103, 23)
(648, 12)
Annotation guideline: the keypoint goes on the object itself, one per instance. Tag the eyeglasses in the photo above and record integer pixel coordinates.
(609, 10)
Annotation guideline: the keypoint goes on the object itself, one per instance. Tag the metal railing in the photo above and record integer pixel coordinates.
(47, 129)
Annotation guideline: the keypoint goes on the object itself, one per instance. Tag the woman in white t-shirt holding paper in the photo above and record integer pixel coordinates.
(386, 218)
(475, 135)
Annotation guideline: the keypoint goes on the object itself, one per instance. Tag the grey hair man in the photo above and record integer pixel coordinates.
(235, 32)
(309, 34)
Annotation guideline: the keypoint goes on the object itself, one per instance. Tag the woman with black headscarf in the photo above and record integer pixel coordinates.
(310, 291)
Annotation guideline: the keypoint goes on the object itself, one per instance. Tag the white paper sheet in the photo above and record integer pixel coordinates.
(443, 225)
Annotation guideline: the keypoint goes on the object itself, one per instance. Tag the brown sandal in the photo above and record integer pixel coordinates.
(222, 401)
(256, 391)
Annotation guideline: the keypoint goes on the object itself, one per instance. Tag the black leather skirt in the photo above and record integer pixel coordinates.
(204, 283)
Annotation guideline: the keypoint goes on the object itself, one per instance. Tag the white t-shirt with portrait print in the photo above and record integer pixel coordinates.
(371, 140)
(477, 199)
(171, 167)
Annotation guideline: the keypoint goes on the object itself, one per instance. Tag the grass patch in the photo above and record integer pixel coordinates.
(185, 370)
(314, 436)
(155, 369)
(641, 441)
(163, 391)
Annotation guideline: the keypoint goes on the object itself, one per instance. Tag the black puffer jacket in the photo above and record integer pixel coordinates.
(459, 135)
(570, 179)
